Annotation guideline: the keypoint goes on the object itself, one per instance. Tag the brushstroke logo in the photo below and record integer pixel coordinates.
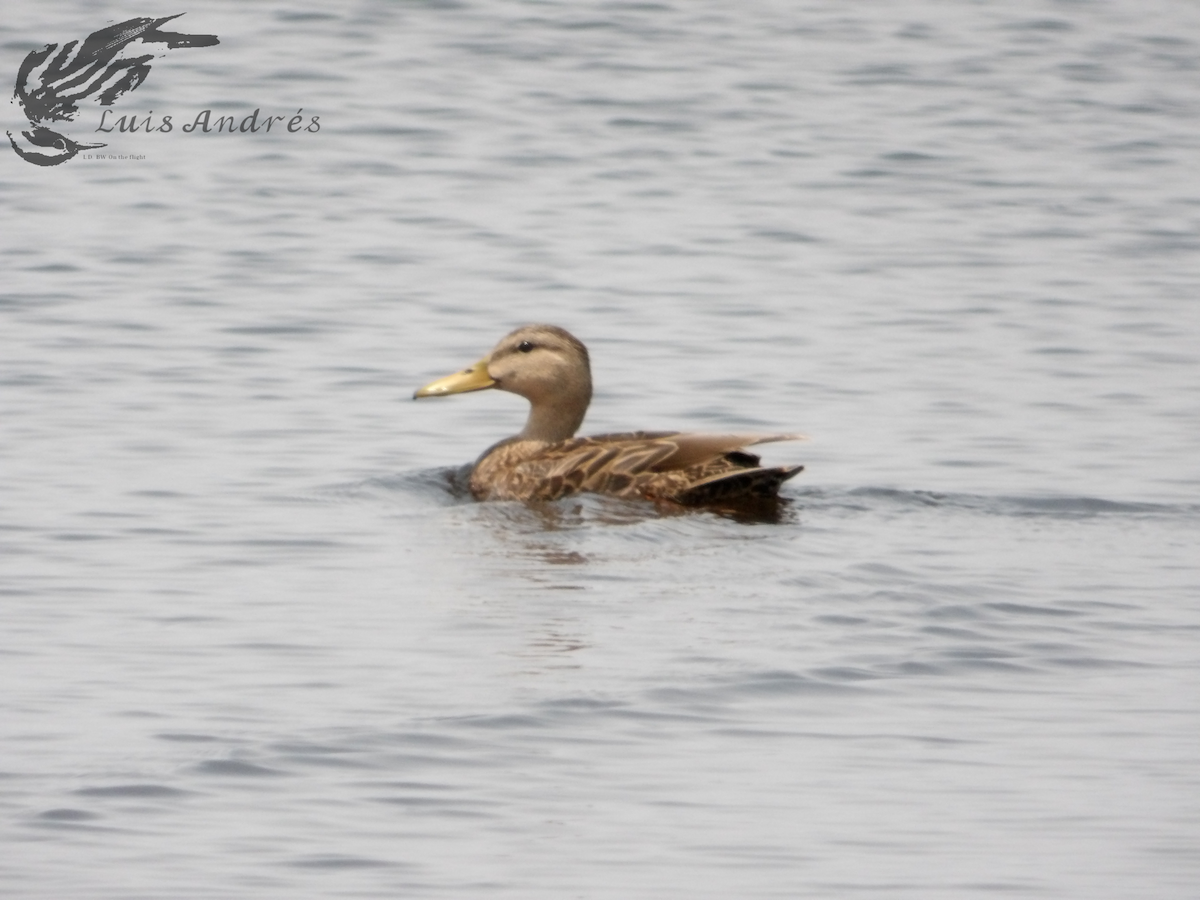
(108, 64)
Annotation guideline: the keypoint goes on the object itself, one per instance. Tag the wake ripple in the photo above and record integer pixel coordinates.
(1072, 507)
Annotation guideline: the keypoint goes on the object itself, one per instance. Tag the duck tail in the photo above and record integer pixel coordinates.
(757, 482)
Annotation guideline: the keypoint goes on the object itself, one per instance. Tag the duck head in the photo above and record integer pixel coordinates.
(542, 363)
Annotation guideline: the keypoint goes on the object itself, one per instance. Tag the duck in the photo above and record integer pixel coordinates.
(546, 461)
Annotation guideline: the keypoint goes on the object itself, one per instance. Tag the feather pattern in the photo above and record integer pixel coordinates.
(546, 462)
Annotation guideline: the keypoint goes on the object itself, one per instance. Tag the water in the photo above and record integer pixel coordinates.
(255, 645)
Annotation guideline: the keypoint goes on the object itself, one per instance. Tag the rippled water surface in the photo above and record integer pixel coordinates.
(257, 644)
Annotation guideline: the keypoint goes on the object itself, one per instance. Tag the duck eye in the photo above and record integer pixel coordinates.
(525, 346)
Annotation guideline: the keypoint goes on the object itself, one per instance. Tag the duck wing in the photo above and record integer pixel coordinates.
(688, 468)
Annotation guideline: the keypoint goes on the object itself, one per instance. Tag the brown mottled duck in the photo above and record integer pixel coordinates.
(549, 368)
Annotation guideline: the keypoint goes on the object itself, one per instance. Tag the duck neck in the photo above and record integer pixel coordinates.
(556, 420)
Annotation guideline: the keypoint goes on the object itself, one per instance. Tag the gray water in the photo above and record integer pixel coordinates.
(256, 644)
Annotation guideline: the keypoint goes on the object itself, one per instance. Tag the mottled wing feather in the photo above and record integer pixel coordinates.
(694, 449)
(655, 465)
(595, 465)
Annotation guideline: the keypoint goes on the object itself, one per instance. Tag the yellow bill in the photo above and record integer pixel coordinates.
(474, 378)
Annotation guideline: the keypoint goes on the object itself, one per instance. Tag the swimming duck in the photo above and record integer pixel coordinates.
(549, 367)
